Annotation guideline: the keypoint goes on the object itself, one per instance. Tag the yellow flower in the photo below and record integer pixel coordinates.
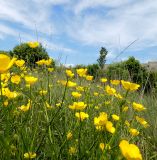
(5, 63)
(109, 90)
(69, 135)
(96, 94)
(30, 80)
(30, 155)
(40, 62)
(138, 107)
(72, 150)
(100, 121)
(5, 103)
(78, 106)
(76, 94)
(81, 115)
(25, 108)
(130, 86)
(50, 69)
(5, 77)
(81, 72)
(115, 82)
(15, 79)
(97, 107)
(48, 106)
(125, 108)
(20, 63)
(130, 151)
(127, 123)
(48, 62)
(33, 44)
(109, 127)
(69, 73)
(115, 117)
(102, 146)
(103, 80)
(45, 62)
(89, 78)
(134, 132)
(42, 92)
(11, 95)
(58, 104)
(118, 96)
(142, 121)
(71, 84)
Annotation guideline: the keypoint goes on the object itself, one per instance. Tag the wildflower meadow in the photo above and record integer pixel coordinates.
(66, 114)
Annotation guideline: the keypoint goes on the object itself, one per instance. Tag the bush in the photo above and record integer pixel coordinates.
(93, 70)
(30, 55)
(140, 75)
(117, 71)
(134, 71)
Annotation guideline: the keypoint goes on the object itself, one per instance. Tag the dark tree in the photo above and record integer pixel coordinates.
(30, 55)
(102, 58)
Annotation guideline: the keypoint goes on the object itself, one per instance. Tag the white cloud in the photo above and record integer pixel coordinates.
(110, 23)
(123, 23)
(29, 16)
(86, 4)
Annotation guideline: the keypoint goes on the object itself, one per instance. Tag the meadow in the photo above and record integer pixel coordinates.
(66, 114)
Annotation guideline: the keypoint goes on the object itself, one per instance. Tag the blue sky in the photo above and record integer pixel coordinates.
(73, 31)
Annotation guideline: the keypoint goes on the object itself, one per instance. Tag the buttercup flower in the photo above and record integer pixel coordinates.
(134, 132)
(44, 62)
(138, 107)
(33, 44)
(109, 90)
(20, 63)
(102, 146)
(115, 82)
(130, 151)
(69, 73)
(89, 78)
(72, 150)
(81, 72)
(142, 121)
(109, 127)
(103, 80)
(30, 79)
(30, 155)
(69, 135)
(81, 115)
(5, 63)
(76, 94)
(25, 108)
(78, 106)
(15, 79)
(115, 117)
(130, 86)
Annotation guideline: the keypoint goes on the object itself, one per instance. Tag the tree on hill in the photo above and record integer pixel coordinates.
(30, 55)
(102, 57)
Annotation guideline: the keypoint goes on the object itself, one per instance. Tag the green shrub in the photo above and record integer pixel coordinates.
(132, 70)
(30, 55)
(117, 71)
(93, 70)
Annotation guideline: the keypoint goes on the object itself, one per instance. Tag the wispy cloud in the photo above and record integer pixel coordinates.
(82, 24)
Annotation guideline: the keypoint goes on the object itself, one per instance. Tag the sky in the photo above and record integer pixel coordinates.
(73, 31)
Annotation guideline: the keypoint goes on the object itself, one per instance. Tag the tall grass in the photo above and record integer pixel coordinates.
(43, 128)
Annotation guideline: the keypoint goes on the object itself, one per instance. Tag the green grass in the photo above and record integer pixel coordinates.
(44, 130)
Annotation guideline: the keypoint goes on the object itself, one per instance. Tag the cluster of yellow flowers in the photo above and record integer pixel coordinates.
(106, 121)
(102, 123)
(44, 62)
